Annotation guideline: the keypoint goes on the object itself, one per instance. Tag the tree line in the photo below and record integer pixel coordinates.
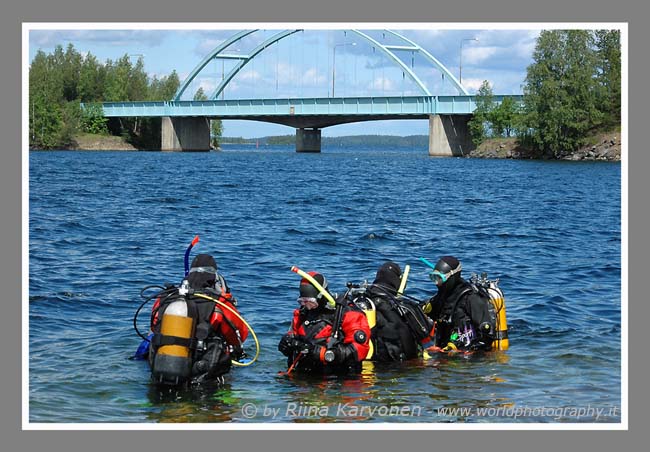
(410, 141)
(60, 81)
(572, 90)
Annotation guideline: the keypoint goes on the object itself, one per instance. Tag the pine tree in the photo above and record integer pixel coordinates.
(608, 49)
(479, 124)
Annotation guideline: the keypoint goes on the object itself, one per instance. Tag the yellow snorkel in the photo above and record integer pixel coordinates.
(370, 315)
(330, 301)
(405, 276)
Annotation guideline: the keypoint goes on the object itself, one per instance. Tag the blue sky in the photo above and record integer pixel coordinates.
(311, 63)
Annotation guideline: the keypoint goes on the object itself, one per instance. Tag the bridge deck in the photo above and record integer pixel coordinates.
(259, 108)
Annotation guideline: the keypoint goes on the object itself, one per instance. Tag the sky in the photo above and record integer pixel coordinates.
(319, 61)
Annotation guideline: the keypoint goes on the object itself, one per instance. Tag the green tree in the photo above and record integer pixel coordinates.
(608, 55)
(91, 82)
(71, 121)
(45, 95)
(93, 120)
(164, 88)
(560, 94)
(170, 85)
(70, 72)
(216, 130)
(117, 80)
(200, 94)
(479, 126)
(503, 117)
(138, 82)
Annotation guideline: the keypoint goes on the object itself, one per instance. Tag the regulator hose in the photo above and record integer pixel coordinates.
(257, 343)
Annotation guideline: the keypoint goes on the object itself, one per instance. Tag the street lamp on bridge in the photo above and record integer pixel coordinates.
(334, 62)
(460, 64)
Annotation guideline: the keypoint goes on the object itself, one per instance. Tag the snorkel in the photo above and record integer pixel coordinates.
(187, 254)
(405, 276)
(428, 263)
(331, 303)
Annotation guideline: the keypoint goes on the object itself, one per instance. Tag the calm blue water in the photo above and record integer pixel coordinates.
(103, 225)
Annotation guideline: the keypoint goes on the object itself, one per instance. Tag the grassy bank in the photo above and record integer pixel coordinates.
(91, 142)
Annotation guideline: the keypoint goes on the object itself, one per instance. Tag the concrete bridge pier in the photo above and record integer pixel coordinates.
(185, 134)
(308, 140)
(449, 135)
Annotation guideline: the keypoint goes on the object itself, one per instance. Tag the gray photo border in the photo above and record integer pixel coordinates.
(11, 222)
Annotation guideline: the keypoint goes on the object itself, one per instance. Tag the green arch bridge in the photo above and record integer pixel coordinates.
(185, 124)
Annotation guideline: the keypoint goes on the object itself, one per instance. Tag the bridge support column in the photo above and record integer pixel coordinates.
(308, 140)
(185, 134)
(449, 135)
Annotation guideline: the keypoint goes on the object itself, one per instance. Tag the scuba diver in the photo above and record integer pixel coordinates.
(463, 317)
(400, 325)
(196, 332)
(326, 335)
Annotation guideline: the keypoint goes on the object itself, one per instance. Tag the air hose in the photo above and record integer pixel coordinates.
(257, 343)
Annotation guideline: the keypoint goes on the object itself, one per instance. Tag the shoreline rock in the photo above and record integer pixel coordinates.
(607, 148)
(102, 143)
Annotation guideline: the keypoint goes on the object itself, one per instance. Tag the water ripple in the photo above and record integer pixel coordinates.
(101, 227)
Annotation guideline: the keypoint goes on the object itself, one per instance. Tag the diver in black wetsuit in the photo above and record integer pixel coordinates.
(462, 316)
(392, 337)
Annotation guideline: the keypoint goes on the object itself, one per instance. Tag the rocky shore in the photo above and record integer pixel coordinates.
(606, 147)
(90, 142)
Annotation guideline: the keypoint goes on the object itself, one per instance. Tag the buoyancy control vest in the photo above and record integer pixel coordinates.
(400, 326)
(490, 290)
(455, 328)
(185, 346)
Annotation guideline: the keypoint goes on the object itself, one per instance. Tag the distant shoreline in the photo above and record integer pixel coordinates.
(602, 147)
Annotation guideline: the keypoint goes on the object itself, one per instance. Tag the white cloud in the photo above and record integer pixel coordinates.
(249, 76)
(477, 55)
(380, 83)
(473, 84)
(206, 46)
(312, 77)
(208, 85)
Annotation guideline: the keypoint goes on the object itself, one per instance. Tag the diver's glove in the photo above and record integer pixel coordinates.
(287, 344)
(290, 344)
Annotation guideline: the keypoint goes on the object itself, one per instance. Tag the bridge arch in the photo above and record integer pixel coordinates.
(388, 50)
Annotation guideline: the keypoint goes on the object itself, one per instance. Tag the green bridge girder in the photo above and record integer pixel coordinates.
(304, 112)
(389, 50)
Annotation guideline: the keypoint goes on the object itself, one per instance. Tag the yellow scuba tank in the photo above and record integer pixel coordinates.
(172, 361)
(498, 302)
(371, 315)
(368, 308)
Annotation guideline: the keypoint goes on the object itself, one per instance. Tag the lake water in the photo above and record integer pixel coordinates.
(103, 225)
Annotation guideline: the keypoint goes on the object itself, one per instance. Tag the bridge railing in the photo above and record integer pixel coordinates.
(411, 105)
